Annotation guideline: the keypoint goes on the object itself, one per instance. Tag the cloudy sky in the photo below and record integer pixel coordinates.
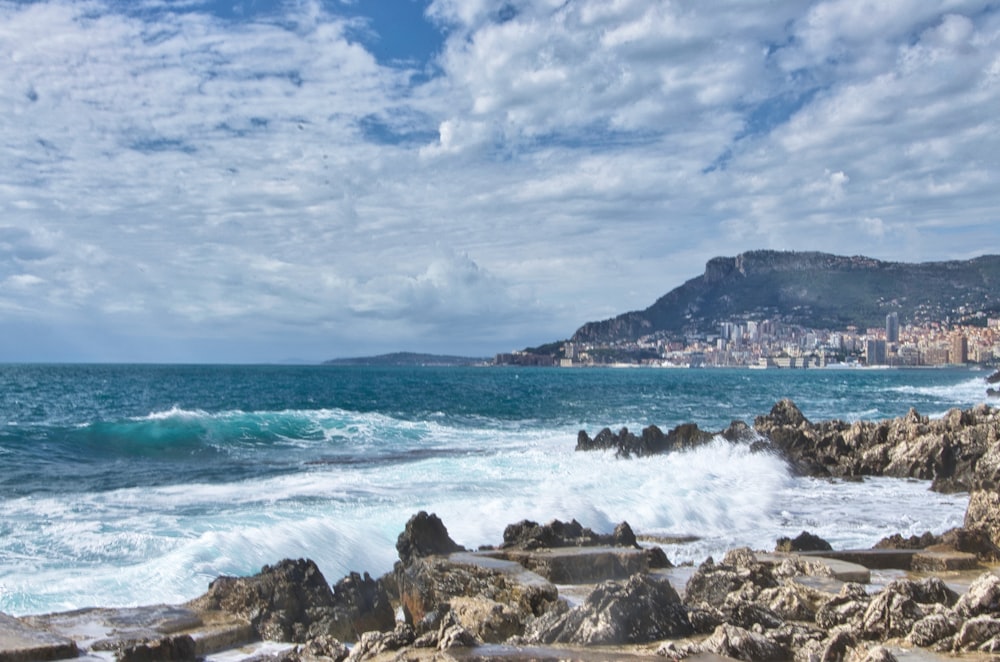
(257, 180)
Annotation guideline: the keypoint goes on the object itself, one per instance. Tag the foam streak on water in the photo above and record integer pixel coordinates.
(147, 499)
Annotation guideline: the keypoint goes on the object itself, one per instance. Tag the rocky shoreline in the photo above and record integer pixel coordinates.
(562, 591)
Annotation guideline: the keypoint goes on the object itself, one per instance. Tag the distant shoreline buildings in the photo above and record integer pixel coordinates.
(771, 344)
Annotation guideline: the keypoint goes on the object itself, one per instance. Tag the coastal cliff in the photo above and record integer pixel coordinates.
(811, 289)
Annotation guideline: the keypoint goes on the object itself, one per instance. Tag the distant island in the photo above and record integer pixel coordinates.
(768, 308)
(409, 359)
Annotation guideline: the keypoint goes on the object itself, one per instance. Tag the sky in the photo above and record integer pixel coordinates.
(266, 180)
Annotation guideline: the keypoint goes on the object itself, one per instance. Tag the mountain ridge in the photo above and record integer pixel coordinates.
(811, 289)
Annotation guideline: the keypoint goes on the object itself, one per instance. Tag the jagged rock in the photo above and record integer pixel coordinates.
(452, 634)
(361, 604)
(895, 610)
(736, 642)
(528, 535)
(289, 601)
(319, 649)
(931, 629)
(373, 643)
(641, 610)
(486, 620)
(427, 587)
(652, 441)
(977, 631)
(983, 597)
(849, 604)
(897, 541)
(945, 450)
(163, 649)
(657, 558)
(873, 654)
(804, 542)
(712, 582)
(792, 601)
(424, 535)
(839, 646)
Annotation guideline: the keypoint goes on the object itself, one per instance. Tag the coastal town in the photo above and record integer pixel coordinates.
(767, 343)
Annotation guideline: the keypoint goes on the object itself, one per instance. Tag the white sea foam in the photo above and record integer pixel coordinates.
(164, 544)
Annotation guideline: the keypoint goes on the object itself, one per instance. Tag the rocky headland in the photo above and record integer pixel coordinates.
(561, 591)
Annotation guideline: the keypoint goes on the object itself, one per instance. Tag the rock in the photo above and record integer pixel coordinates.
(897, 541)
(289, 601)
(428, 586)
(652, 441)
(164, 649)
(528, 535)
(977, 631)
(983, 597)
(641, 610)
(845, 607)
(373, 643)
(792, 601)
(486, 620)
(804, 542)
(712, 583)
(452, 634)
(361, 604)
(736, 642)
(931, 629)
(424, 535)
(946, 450)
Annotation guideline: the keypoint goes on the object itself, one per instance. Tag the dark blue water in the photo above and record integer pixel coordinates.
(117, 476)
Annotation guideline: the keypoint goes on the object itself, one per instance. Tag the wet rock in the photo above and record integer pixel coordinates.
(742, 644)
(945, 450)
(289, 601)
(897, 541)
(804, 542)
(652, 440)
(641, 610)
(424, 535)
(527, 535)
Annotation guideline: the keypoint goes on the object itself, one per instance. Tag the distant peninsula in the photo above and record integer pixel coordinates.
(408, 359)
(810, 289)
(765, 308)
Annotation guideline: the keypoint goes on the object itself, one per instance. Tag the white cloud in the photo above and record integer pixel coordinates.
(267, 179)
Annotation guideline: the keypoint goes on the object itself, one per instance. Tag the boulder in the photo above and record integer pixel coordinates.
(804, 542)
(652, 440)
(289, 601)
(741, 644)
(528, 535)
(641, 610)
(374, 643)
(424, 535)
(361, 604)
(983, 597)
(428, 586)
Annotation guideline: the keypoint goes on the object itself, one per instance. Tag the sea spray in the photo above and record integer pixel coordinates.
(140, 484)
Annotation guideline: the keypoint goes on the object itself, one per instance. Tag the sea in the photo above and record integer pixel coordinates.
(124, 485)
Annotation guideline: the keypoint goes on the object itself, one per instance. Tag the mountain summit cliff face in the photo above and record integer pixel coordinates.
(816, 290)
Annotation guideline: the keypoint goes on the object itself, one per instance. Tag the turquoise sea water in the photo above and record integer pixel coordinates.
(123, 485)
